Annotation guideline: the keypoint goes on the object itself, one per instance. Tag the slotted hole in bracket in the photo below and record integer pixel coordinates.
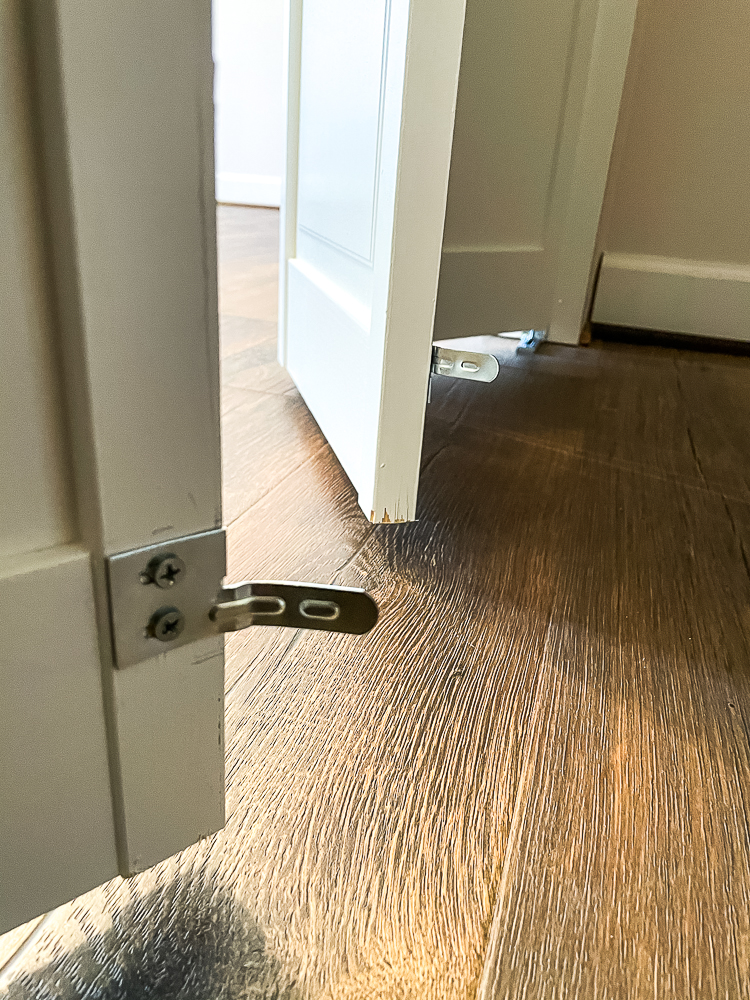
(268, 606)
(324, 610)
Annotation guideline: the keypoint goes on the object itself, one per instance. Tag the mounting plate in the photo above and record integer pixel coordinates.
(135, 598)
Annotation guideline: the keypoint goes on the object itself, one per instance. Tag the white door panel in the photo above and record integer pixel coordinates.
(370, 114)
(336, 324)
(108, 770)
(56, 820)
(371, 106)
(339, 122)
(35, 497)
(492, 290)
(57, 836)
(538, 98)
(132, 217)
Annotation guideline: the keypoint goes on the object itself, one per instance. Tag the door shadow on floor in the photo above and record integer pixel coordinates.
(207, 950)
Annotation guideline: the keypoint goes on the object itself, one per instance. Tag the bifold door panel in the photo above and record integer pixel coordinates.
(371, 98)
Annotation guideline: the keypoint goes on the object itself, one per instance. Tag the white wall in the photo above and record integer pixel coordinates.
(675, 231)
(248, 87)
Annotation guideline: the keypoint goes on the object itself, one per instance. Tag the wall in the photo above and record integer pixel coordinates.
(676, 226)
(247, 41)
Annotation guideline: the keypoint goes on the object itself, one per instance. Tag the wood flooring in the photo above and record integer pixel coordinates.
(532, 779)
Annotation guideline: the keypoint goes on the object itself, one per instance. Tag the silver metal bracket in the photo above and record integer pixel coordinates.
(165, 596)
(530, 341)
(464, 364)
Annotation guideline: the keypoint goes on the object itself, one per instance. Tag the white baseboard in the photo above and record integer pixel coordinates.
(669, 294)
(248, 189)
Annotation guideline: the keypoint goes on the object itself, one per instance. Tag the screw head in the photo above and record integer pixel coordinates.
(166, 624)
(165, 571)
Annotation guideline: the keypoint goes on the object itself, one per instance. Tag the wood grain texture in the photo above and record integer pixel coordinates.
(387, 766)
(630, 869)
(257, 368)
(530, 780)
(240, 295)
(263, 441)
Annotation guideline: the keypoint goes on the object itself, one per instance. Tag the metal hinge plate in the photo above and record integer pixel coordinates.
(530, 341)
(464, 364)
(165, 596)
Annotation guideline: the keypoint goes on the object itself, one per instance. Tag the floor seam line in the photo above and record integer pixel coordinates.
(287, 649)
(6, 970)
(694, 483)
(275, 486)
(490, 963)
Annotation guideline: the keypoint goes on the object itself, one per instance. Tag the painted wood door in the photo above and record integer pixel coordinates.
(538, 100)
(371, 105)
(109, 436)
(371, 99)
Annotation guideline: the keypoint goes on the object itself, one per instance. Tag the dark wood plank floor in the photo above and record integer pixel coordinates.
(531, 780)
